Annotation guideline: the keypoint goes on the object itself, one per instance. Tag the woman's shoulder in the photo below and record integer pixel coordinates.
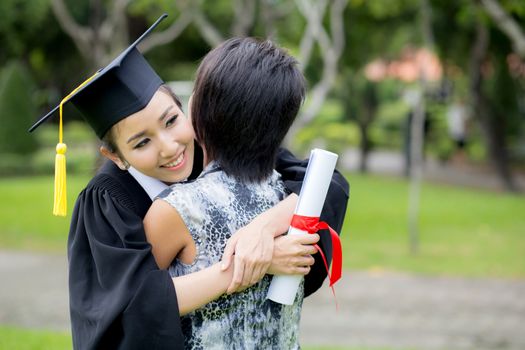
(112, 183)
(192, 196)
(181, 194)
(107, 179)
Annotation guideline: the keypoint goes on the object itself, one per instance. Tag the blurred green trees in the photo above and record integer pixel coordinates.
(62, 41)
(17, 112)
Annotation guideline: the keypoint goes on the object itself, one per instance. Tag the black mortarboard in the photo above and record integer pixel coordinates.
(123, 87)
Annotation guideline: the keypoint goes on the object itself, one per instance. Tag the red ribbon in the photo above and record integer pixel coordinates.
(312, 224)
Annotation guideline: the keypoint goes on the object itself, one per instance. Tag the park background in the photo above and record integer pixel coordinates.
(422, 99)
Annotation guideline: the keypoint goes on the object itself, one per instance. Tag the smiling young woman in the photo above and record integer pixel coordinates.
(158, 140)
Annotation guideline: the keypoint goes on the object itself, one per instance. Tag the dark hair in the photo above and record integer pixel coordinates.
(108, 140)
(246, 96)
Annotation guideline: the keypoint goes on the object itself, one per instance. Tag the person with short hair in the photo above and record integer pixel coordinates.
(247, 94)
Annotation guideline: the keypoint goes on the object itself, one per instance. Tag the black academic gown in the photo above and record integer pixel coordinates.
(119, 299)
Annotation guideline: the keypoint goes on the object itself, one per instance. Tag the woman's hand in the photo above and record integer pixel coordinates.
(252, 246)
(292, 254)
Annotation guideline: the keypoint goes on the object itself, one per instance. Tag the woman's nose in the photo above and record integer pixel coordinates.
(168, 146)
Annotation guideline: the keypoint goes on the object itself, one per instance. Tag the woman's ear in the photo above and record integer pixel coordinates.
(114, 157)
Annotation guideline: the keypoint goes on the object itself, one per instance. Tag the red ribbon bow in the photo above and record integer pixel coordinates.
(312, 225)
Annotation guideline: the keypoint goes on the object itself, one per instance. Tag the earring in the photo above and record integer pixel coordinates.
(126, 165)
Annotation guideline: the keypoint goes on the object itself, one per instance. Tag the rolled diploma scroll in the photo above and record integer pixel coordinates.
(317, 179)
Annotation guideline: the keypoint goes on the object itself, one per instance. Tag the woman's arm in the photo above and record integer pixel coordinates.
(199, 288)
(168, 235)
(170, 238)
(292, 254)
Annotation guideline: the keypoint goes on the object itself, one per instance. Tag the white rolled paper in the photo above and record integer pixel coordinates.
(321, 165)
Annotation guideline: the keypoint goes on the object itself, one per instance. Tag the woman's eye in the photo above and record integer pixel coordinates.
(141, 144)
(171, 120)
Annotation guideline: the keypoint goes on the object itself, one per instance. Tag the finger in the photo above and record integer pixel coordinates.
(309, 249)
(259, 273)
(298, 270)
(228, 254)
(238, 272)
(261, 265)
(255, 276)
(264, 265)
(248, 274)
(226, 261)
(308, 239)
(308, 260)
(303, 260)
(302, 270)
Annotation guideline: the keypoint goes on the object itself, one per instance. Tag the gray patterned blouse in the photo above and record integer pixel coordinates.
(213, 207)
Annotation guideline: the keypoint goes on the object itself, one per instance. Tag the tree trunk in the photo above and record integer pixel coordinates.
(369, 113)
(364, 147)
(106, 37)
(506, 24)
(331, 47)
(417, 135)
(245, 16)
(491, 126)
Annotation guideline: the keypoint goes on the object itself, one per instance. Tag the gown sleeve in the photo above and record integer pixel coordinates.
(119, 299)
(293, 171)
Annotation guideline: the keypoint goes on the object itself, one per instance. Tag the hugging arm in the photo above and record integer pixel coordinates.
(170, 238)
(291, 254)
(258, 251)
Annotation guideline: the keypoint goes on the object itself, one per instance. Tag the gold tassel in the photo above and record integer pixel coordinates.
(60, 200)
(60, 196)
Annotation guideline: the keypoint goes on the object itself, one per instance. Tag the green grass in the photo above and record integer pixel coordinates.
(26, 205)
(24, 339)
(462, 231)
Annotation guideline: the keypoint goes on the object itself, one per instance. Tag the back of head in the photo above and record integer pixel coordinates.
(247, 94)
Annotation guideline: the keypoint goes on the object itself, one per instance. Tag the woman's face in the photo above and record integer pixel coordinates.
(157, 141)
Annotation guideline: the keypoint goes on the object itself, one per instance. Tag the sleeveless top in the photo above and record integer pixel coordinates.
(213, 207)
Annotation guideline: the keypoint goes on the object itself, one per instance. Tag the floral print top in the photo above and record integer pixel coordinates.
(213, 207)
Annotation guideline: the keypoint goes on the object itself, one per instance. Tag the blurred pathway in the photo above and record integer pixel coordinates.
(33, 290)
(375, 310)
(414, 312)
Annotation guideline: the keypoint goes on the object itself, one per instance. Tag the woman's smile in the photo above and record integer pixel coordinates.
(176, 163)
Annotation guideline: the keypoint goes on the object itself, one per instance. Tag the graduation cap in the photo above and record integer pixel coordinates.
(123, 87)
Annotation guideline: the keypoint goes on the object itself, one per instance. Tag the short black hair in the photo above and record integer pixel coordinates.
(246, 96)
